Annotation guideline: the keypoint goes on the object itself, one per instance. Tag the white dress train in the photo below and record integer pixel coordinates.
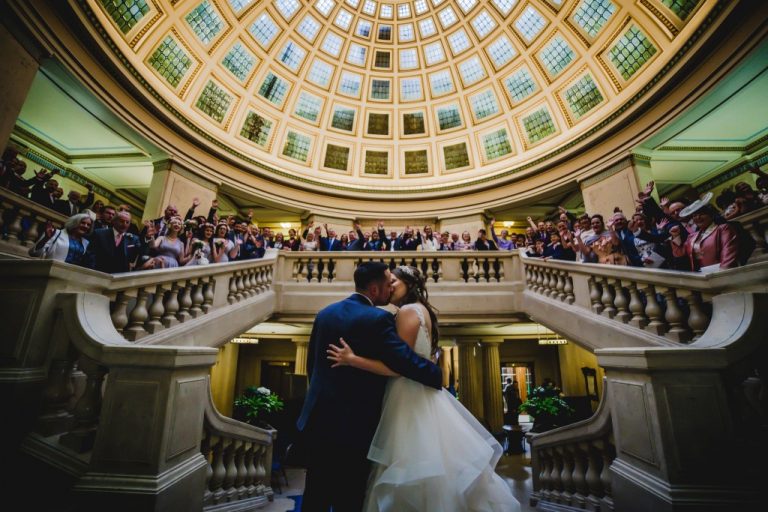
(430, 454)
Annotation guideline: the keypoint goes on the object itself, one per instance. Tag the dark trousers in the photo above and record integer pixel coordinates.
(335, 478)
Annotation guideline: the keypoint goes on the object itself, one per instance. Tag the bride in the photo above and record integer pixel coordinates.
(429, 453)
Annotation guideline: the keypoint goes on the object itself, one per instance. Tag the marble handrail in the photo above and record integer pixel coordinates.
(239, 460)
(570, 465)
(669, 305)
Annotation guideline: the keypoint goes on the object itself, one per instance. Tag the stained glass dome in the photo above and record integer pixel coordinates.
(395, 96)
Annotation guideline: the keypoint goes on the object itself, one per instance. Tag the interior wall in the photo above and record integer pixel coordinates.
(19, 69)
(172, 185)
(572, 359)
(602, 195)
(223, 378)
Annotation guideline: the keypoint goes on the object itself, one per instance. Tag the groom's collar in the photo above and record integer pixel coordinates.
(365, 298)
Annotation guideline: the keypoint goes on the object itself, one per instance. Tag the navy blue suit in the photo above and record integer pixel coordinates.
(104, 256)
(343, 405)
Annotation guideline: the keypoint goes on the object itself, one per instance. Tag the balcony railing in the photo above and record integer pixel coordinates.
(21, 220)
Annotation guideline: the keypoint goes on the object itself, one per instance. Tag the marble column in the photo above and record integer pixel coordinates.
(174, 184)
(445, 365)
(492, 401)
(302, 349)
(19, 64)
(470, 377)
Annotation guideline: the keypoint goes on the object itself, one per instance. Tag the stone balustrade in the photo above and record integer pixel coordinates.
(756, 224)
(22, 219)
(239, 462)
(570, 465)
(669, 306)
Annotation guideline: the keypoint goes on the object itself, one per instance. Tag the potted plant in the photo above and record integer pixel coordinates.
(546, 405)
(256, 404)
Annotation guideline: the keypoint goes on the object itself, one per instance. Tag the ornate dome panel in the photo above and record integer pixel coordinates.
(395, 96)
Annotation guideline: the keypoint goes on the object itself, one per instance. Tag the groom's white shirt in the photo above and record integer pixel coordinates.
(366, 298)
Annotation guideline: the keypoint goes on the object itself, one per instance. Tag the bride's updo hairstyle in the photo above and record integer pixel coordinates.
(416, 291)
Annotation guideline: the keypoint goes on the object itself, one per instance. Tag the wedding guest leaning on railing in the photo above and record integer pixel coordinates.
(114, 250)
(445, 241)
(652, 254)
(309, 243)
(503, 243)
(465, 244)
(169, 249)
(224, 249)
(201, 248)
(602, 246)
(482, 243)
(620, 228)
(560, 245)
(251, 245)
(44, 188)
(68, 244)
(714, 246)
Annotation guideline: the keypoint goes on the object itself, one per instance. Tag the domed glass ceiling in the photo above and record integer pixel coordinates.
(395, 95)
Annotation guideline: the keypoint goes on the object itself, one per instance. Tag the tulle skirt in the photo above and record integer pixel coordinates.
(431, 455)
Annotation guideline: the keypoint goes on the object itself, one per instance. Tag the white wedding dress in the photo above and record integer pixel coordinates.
(430, 454)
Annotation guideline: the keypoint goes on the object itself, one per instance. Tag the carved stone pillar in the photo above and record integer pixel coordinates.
(492, 401)
(470, 378)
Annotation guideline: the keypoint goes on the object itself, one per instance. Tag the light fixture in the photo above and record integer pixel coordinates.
(285, 225)
(509, 223)
(251, 341)
(549, 337)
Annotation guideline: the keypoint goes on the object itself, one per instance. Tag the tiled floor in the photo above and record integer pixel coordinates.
(515, 469)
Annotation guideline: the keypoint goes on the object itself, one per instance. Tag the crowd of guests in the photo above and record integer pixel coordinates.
(676, 235)
(669, 234)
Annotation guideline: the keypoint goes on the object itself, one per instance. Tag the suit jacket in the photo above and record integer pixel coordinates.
(104, 256)
(330, 244)
(719, 246)
(344, 404)
(40, 195)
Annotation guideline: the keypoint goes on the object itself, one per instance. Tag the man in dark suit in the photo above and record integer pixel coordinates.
(113, 250)
(74, 205)
(343, 405)
(330, 242)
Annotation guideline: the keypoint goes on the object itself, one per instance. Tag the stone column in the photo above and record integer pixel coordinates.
(492, 400)
(470, 378)
(19, 68)
(617, 185)
(302, 351)
(173, 184)
(445, 364)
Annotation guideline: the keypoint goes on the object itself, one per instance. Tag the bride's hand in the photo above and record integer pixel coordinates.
(341, 356)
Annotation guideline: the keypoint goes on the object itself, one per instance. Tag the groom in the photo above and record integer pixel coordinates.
(343, 405)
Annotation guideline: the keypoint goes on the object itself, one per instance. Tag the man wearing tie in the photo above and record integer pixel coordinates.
(113, 250)
(330, 242)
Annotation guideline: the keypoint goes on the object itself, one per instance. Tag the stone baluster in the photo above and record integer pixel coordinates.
(621, 302)
(304, 274)
(653, 311)
(636, 307)
(171, 306)
(482, 270)
(539, 280)
(580, 489)
(500, 276)
(464, 265)
(439, 271)
(698, 320)
(230, 492)
(56, 396)
(528, 275)
(592, 477)
(553, 277)
(119, 313)
(595, 292)
(544, 288)
(546, 468)
(240, 286)
(138, 316)
(219, 470)
(261, 469)
(606, 452)
(87, 409)
(259, 280)
(205, 449)
(197, 298)
(607, 298)
(185, 302)
(156, 311)
(566, 475)
(569, 296)
(208, 294)
(560, 287)
(296, 270)
(246, 279)
(30, 237)
(14, 226)
(232, 295)
(242, 471)
(325, 276)
(556, 485)
(678, 324)
(250, 477)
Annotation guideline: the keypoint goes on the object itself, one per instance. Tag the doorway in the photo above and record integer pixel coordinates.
(274, 375)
